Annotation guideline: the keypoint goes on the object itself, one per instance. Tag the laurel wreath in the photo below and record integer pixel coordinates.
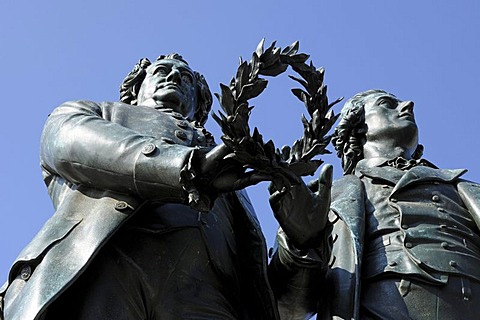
(250, 149)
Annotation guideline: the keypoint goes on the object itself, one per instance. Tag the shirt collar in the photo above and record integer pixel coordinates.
(381, 162)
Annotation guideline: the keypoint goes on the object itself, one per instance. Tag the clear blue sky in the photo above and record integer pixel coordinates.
(53, 51)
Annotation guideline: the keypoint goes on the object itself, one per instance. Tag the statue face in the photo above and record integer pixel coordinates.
(390, 120)
(169, 83)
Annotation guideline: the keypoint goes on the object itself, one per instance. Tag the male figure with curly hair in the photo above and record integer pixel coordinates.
(406, 242)
(150, 222)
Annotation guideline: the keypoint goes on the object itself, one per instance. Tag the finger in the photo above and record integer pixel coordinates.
(250, 179)
(277, 195)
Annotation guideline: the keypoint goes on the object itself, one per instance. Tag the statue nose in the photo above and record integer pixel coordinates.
(407, 106)
(174, 76)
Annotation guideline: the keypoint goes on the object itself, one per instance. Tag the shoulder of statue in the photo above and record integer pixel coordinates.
(469, 187)
(347, 185)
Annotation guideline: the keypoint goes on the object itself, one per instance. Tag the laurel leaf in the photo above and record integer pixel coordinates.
(269, 148)
(305, 122)
(217, 119)
(230, 156)
(335, 102)
(291, 49)
(305, 168)
(300, 94)
(241, 78)
(250, 91)
(226, 100)
(300, 58)
(268, 58)
(316, 121)
(273, 70)
(255, 63)
(256, 135)
(259, 50)
(312, 152)
(285, 152)
(301, 81)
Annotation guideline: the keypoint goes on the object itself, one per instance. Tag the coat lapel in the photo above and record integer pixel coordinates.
(421, 174)
(389, 175)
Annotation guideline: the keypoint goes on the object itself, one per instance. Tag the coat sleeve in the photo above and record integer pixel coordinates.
(82, 145)
(297, 278)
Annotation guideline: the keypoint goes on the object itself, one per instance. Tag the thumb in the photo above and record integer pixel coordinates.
(325, 188)
(325, 178)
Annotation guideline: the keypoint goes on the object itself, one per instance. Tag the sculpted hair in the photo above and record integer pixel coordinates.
(133, 81)
(350, 134)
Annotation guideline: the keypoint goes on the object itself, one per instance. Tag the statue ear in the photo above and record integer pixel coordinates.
(418, 153)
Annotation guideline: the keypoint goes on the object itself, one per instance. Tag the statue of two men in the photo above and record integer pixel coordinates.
(151, 221)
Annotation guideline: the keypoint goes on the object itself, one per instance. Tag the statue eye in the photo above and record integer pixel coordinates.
(161, 71)
(187, 78)
(389, 103)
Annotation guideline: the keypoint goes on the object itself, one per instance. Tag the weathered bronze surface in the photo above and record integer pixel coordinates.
(151, 221)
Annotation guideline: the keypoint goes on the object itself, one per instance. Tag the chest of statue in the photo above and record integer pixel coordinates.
(423, 228)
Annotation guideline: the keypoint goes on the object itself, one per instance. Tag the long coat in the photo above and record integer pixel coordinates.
(343, 285)
(101, 163)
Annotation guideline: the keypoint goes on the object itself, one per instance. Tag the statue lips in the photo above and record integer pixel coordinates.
(407, 115)
(169, 92)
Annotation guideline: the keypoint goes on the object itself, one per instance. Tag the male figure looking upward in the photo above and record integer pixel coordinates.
(147, 223)
(406, 241)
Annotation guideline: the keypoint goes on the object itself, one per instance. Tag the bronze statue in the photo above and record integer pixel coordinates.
(406, 240)
(150, 220)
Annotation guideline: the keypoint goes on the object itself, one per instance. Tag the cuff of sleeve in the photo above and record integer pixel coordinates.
(291, 256)
(196, 200)
(157, 171)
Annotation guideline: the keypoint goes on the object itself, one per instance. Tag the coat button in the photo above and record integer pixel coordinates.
(121, 205)
(453, 264)
(409, 245)
(182, 124)
(180, 134)
(149, 148)
(177, 115)
(435, 198)
(26, 272)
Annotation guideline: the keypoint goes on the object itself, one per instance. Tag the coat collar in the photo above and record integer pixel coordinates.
(375, 168)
